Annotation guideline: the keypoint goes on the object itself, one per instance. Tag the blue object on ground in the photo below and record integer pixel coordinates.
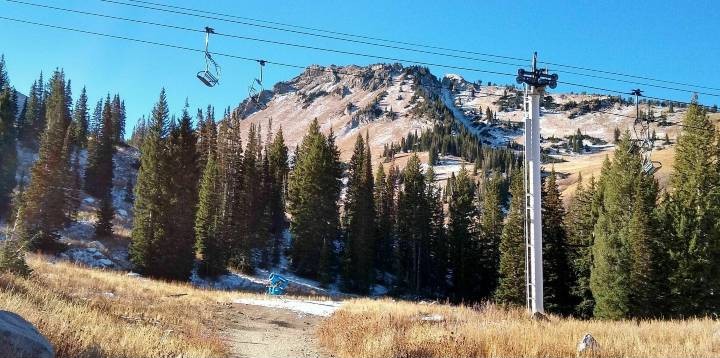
(278, 284)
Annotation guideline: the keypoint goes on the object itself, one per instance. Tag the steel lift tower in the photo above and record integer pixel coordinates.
(535, 80)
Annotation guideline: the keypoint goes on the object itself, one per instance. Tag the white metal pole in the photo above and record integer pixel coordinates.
(532, 150)
(526, 236)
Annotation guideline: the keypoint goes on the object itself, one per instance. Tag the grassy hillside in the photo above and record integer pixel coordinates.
(95, 313)
(385, 328)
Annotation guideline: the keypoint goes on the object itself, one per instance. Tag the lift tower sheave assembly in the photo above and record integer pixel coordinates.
(536, 81)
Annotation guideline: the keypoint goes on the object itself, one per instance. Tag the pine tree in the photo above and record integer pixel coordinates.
(359, 222)
(436, 267)
(207, 135)
(251, 228)
(81, 118)
(209, 243)
(44, 206)
(693, 209)
(97, 148)
(33, 124)
(278, 166)
(644, 258)
(624, 186)
(313, 192)
(491, 225)
(616, 135)
(229, 157)
(557, 273)
(462, 234)
(421, 246)
(577, 142)
(183, 197)
(150, 225)
(118, 120)
(138, 133)
(511, 287)
(8, 153)
(12, 257)
(103, 170)
(386, 216)
(579, 222)
(71, 173)
(412, 226)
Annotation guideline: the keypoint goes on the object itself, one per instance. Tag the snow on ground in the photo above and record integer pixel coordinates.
(316, 308)
(448, 100)
(258, 281)
(447, 165)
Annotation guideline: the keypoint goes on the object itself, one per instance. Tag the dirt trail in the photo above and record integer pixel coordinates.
(259, 332)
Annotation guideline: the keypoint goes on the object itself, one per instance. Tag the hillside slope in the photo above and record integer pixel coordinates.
(380, 100)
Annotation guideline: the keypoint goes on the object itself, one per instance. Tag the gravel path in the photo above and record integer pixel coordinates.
(259, 332)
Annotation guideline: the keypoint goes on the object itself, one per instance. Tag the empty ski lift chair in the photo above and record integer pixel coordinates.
(278, 285)
(208, 78)
(255, 93)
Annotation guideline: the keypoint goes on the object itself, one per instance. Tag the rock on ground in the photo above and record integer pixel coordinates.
(20, 339)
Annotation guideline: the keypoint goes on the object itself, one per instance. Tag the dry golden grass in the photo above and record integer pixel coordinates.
(94, 313)
(365, 328)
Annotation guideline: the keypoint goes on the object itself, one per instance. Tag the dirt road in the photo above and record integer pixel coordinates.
(259, 332)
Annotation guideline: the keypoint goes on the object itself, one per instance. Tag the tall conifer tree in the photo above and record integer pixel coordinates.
(209, 243)
(612, 279)
(8, 153)
(313, 192)
(183, 156)
(150, 225)
(81, 118)
(580, 221)
(491, 225)
(511, 287)
(102, 155)
(557, 273)
(44, 206)
(359, 221)
(692, 210)
(386, 210)
(462, 234)
(278, 166)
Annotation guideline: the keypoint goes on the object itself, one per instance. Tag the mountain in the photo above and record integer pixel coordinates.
(382, 99)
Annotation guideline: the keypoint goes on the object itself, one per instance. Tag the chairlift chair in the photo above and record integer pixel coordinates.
(207, 77)
(644, 144)
(254, 93)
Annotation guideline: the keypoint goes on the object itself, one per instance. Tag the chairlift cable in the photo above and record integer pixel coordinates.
(197, 13)
(286, 64)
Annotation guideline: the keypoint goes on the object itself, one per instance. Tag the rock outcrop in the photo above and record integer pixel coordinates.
(20, 339)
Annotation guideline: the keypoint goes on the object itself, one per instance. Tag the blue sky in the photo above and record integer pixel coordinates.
(661, 39)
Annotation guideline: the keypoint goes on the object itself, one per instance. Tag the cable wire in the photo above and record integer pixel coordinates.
(327, 49)
(330, 69)
(272, 41)
(198, 11)
(306, 33)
